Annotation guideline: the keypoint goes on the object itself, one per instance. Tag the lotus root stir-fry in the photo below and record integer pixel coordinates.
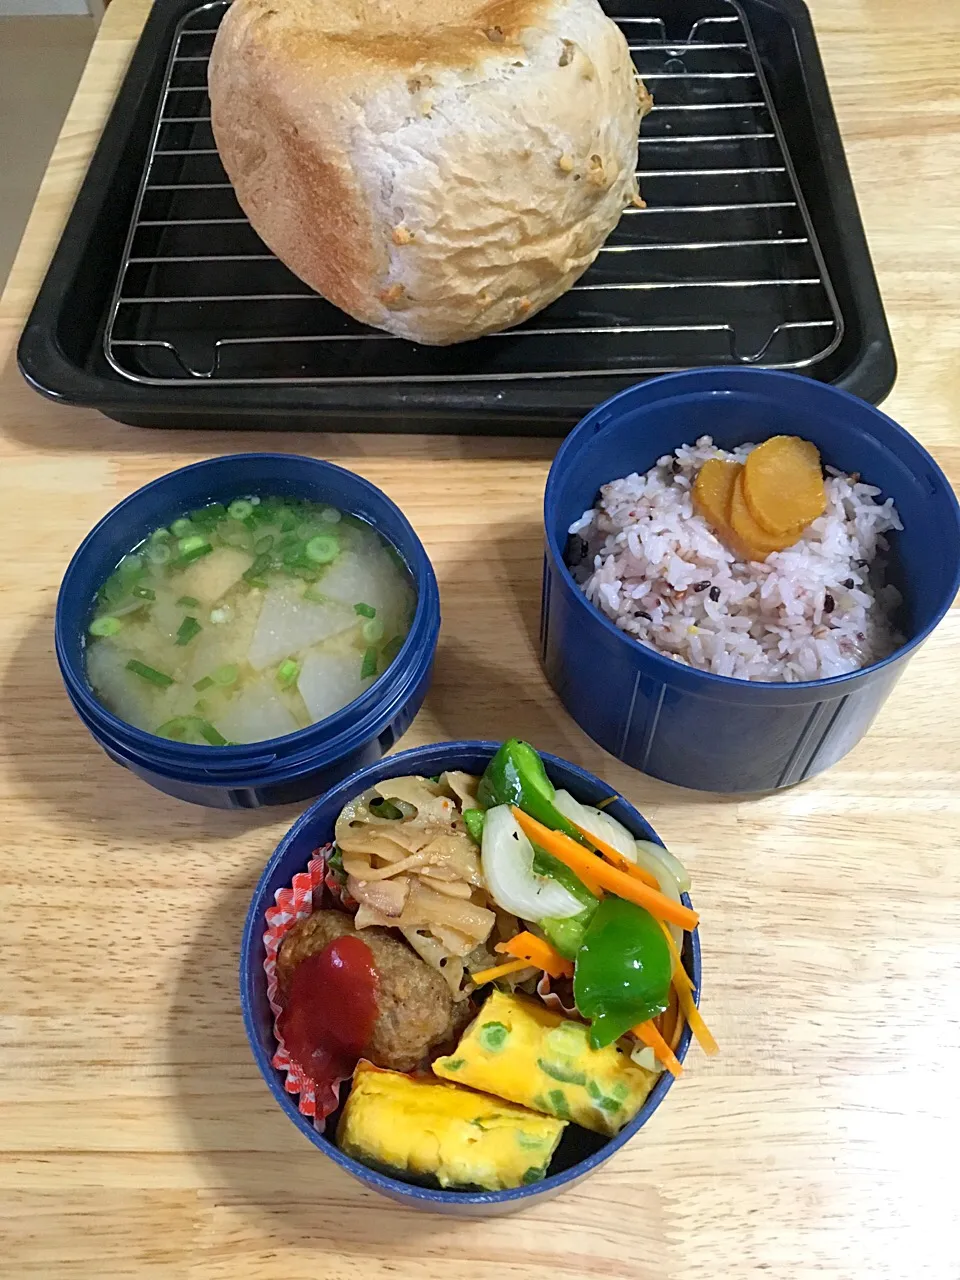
(493, 961)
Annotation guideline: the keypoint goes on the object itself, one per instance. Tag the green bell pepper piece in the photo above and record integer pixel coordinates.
(565, 936)
(622, 973)
(516, 776)
(473, 821)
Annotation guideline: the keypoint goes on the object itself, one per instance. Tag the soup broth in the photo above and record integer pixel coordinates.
(249, 621)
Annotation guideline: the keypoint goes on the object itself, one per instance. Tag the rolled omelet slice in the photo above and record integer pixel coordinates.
(518, 1050)
(422, 1128)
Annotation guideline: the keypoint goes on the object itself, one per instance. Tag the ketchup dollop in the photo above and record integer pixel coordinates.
(329, 1010)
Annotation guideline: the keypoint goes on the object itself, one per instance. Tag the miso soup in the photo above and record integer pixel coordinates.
(248, 621)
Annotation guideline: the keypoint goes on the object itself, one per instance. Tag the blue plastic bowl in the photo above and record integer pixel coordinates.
(283, 770)
(580, 1152)
(705, 731)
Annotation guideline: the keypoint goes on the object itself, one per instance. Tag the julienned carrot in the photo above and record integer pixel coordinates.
(697, 1025)
(499, 971)
(683, 987)
(680, 974)
(618, 859)
(527, 946)
(650, 1036)
(580, 861)
(677, 1030)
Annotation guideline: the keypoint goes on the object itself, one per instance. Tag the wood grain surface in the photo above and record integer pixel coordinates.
(136, 1137)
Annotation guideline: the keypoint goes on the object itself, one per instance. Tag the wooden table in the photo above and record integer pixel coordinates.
(137, 1138)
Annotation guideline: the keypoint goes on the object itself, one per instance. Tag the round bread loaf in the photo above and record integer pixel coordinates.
(437, 168)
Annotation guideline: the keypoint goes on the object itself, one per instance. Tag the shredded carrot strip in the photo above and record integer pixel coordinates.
(680, 974)
(648, 1033)
(498, 971)
(667, 1020)
(579, 860)
(618, 859)
(682, 985)
(677, 1032)
(697, 1025)
(527, 946)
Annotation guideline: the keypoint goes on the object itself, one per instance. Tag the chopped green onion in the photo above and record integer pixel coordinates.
(211, 733)
(250, 523)
(288, 521)
(180, 727)
(105, 626)
(188, 602)
(391, 649)
(144, 593)
(383, 808)
(323, 548)
(257, 582)
(177, 728)
(188, 557)
(130, 568)
(193, 543)
(182, 528)
(263, 544)
(365, 610)
(207, 518)
(189, 628)
(287, 672)
(372, 630)
(159, 678)
(160, 535)
(158, 552)
(239, 509)
(368, 667)
(258, 567)
(314, 594)
(331, 515)
(227, 675)
(203, 683)
(290, 555)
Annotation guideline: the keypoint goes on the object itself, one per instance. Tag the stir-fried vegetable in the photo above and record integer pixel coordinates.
(527, 946)
(618, 882)
(648, 1034)
(483, 976)
(473, 821)
(516, 776)
(507, 857)
(622, 973)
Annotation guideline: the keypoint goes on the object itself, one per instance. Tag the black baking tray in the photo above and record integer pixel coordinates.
(83, 347)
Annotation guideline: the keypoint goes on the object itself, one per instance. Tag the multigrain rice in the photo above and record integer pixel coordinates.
(656, 569)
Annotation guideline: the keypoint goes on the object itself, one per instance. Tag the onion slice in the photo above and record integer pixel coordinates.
(506, 856)
(596, 823)
(672, 864)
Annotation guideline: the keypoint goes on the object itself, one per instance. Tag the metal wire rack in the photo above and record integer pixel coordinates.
(722, 267)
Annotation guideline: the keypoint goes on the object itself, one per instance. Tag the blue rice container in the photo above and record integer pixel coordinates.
(710, 732)
(283, 770)
(580, 1151)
